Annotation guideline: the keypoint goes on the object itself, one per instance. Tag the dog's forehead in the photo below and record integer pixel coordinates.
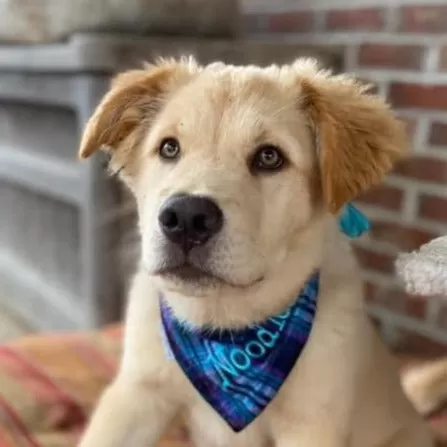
(232, 87)
(240, 100)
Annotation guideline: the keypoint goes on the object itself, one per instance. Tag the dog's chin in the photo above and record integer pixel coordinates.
(189, 279)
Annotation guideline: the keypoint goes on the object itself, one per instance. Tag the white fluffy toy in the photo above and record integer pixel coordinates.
(424, 271)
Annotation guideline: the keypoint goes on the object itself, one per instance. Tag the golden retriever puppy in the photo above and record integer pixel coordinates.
(246, 317)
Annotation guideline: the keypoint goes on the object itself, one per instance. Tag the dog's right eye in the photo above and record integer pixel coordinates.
(267, 158)
(169, 149)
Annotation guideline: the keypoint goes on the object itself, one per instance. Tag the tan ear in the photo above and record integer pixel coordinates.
(134, 97)
(358, 137)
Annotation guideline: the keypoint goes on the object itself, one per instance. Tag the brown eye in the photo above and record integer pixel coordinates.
(169, 149)
(267, 158)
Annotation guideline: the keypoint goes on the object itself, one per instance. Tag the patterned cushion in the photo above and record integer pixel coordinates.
(49, 385)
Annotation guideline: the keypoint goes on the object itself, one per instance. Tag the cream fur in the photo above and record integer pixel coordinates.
(344, 390)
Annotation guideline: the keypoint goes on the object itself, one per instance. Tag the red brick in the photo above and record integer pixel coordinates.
(433, 208)
(442, 317)
(394, 299)
(438, 134)
(424, 19)
(391, 56)
(370, 290)
(426, 169)
(403, 237)
(374, 261)
(384, 196)
(355, 19)
(418, 96)
(411, 343)
(290, 22)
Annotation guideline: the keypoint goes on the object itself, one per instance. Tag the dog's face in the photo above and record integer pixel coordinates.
(224, 182)
(232, 167)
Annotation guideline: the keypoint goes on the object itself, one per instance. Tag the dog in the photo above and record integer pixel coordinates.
(239, 174)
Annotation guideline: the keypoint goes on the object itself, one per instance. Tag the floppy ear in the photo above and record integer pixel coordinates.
(134, 98)
(358, 138)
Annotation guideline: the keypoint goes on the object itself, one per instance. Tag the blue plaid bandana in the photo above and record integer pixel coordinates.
(239, 372)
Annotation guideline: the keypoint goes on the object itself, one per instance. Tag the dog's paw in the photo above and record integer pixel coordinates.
(426, 387)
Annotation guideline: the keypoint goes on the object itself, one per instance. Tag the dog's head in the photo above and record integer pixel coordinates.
(235, 168)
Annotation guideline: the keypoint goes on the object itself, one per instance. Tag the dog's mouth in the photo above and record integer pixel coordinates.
(189, 273)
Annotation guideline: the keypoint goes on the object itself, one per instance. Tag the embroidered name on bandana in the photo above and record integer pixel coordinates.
(239, 372)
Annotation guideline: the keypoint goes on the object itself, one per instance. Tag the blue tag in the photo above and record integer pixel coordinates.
(239, 372)
(352, 222)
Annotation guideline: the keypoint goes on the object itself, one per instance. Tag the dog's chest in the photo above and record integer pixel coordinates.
(208, 429)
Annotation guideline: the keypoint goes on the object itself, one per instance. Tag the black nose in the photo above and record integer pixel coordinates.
(189, 220)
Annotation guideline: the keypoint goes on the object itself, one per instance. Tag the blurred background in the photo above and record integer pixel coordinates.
(68, 241)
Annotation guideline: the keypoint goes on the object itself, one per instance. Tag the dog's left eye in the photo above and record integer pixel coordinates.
(267, 158)
(169, 149)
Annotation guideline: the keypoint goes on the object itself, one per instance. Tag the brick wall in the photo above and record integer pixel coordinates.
(402, 48)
